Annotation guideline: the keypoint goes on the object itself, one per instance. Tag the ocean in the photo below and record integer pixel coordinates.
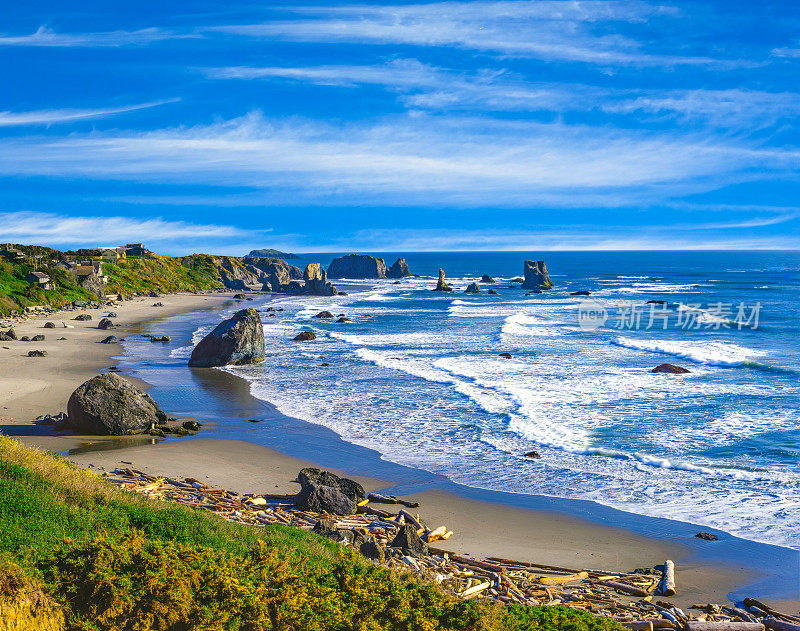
(417, 376)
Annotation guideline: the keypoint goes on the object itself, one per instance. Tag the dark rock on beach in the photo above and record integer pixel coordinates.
(318, 498)
(487, 279)
(38, 338)
(160, 338)
(12, 335)
(409, 542)
(104, 324)
(238, 340)
(707, 536)
(473, 288)
(399, 269)
(441, 285)
(24, 338)
(351, 488)
(111, 339)
(110, 405)
(536, 276)
(304, 336)
(37, 353)
(192, 426)
(83, 317)
(671, 369)
(49, 325)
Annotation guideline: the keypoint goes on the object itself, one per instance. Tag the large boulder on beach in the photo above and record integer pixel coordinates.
(536, 276)
(399, 269)
(319, 498)
(670, 369)
(238, 340)
(104, 324)
(357, 266)
(441, 285)
(110, 405)
(351, 488)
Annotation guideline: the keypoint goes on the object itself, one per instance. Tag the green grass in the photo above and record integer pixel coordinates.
(115, 560)
(16, 294)
(161, 273)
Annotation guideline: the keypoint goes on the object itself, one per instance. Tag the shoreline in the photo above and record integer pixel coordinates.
(562, 537)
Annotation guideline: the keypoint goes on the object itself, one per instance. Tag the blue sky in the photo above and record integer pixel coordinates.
(482, 125)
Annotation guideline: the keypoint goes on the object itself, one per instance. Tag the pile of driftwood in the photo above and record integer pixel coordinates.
(634, 599)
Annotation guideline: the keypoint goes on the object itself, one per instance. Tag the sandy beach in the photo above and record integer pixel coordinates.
(33, 386)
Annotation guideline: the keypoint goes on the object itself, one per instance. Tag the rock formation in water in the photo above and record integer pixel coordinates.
(238, 340)
(399, 269)
(108, 404)
(357, 266)
(671, 369)
(473, 288)
(536, 276)
(487, 279)
(441, 285)
(316, 281)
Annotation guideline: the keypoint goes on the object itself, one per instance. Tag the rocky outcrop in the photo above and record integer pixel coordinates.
(324, 315)
(492, 292)
(441, 285)
(316, 281)
(487, 279)
(670, 369)
(37, 353)
(238, 340)
(473, 288)
(536, 276)
(357, 266)
(323, 491)
(304, 336)
(272, 253)
(582, 292)
(104, 324)
(94, 284)
(111, 339)
(399, 269)
(83, 317)
(110, 405)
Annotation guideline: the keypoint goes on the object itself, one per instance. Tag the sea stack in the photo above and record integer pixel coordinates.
(399, 269)
(536, 276)
(357, 266)
(316, 281)
(238, 340)
(441, 285)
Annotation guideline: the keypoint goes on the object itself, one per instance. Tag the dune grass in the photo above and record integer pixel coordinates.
(116, 560)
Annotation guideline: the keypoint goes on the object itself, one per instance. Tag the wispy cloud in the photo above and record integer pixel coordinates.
(423, 86)
(48, 38)
(42, 227)
(551, 30)
(408, 160)
(49, 117)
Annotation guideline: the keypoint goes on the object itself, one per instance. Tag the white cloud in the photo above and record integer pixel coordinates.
(48, 117)
(52, 228)
(407, 160)
(47, 38)
(423, 86)
(553, 30)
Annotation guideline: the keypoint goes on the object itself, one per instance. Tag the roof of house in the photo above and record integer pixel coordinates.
(40, 275)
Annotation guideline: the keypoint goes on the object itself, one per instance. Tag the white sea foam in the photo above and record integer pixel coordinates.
(711, 353)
